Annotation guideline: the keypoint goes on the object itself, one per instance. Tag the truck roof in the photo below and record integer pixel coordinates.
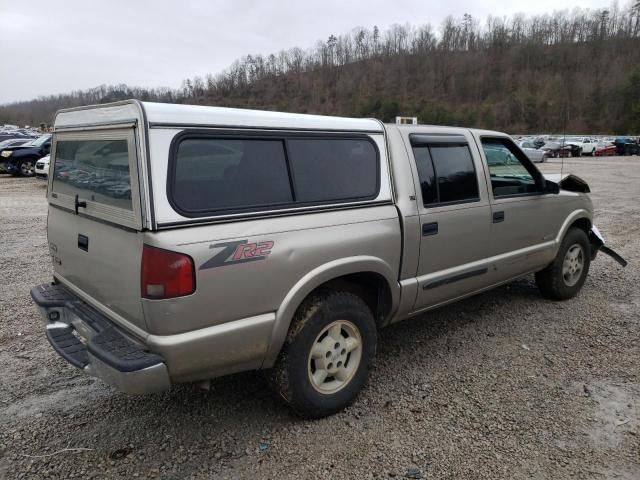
(443, 129)
(166, 114)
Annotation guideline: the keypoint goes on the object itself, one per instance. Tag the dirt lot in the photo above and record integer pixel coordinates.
(505, 385)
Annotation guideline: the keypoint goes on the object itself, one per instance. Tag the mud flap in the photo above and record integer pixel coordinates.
(597, 245)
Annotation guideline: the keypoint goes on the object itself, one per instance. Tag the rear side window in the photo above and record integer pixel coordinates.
(229, 174)
(95, 170)
(446, 173)
(333, 169)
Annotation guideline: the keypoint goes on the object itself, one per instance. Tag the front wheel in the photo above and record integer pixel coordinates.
(326, 357)
(564, 277)
(26, 168)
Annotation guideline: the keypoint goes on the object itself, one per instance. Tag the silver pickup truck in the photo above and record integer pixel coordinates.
(191, 242)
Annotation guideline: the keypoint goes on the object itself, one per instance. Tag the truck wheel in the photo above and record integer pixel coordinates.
(26, 168)
(325, 359)
(564, 277)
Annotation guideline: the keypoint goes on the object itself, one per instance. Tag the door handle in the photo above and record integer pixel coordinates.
(79, 204)
(83, 242)
(498, 217)
(429, 229)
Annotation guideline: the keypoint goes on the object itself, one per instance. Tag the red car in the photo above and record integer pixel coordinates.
(605, 150)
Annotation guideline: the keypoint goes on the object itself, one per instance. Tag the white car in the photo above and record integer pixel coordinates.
(42, 168)
(535, 154)
(587, 144)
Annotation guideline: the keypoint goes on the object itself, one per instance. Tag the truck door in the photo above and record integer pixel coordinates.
(525, 219)
(454, 216)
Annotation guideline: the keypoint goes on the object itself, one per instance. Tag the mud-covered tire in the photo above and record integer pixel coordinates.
(556, 280)
(292, 378)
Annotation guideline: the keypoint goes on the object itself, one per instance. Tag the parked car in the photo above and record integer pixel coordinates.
(298, 239)
(14, 135)
(627, 146)
(587, 145)
(13, 142)
(21, 160)
(605, 149)
(42, 167)
(9, 143)
(564, 150)
(534, 154)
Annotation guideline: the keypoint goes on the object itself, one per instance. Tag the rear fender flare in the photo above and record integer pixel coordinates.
(317, 277)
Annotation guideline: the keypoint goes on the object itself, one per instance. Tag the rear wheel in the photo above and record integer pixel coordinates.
(325, 360)
(564, 277)
(27, 168)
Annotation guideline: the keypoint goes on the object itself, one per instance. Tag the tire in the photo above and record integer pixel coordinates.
(563, 278)
(314, 339)
(26, 168)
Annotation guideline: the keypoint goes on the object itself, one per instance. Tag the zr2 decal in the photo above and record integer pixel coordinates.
(240, 251)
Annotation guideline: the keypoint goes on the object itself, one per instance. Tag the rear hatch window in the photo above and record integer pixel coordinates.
(95, 174)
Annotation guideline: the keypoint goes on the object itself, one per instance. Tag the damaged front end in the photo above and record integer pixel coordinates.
(573, 183)
(597, 245)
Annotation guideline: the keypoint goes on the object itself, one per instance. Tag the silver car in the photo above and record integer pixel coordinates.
(191, 242)
(535, 154)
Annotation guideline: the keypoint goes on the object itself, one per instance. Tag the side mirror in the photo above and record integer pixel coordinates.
(551, 187)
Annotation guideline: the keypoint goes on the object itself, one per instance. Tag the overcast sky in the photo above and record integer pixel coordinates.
(54, 46)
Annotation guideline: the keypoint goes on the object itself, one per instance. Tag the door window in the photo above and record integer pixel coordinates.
(447, 174)
(511, 173)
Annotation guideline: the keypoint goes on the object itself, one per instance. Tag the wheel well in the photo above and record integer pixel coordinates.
(370, 286)
(582, 224)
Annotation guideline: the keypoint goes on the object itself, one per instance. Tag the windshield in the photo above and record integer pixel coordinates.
(38, 141)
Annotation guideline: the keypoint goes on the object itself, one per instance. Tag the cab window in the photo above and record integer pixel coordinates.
(446, 172)
(511, 173)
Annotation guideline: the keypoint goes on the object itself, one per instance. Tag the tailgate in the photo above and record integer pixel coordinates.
(94, 223)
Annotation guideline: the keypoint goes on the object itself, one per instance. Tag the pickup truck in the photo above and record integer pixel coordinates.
(586, 145)
(190, 242)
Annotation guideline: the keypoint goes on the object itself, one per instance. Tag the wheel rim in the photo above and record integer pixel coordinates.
(573, 265)
(26, 168)
(335, 357)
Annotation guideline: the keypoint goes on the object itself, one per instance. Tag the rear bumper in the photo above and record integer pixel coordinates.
(89, 341)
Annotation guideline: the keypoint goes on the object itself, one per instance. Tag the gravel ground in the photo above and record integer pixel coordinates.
(504, 385)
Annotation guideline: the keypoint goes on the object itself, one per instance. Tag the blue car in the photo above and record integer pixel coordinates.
(627, 146)
(20, 160)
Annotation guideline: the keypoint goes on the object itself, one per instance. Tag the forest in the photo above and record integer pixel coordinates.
(572, 71)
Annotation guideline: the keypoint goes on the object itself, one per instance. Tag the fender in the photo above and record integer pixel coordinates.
(572, 217)
(315, 278)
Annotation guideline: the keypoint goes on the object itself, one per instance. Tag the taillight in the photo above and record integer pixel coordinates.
(166, 274)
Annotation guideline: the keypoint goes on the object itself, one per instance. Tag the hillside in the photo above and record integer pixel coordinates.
(578, 72)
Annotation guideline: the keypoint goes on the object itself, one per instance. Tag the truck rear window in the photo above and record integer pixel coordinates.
(96, 170)
(212, 174)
